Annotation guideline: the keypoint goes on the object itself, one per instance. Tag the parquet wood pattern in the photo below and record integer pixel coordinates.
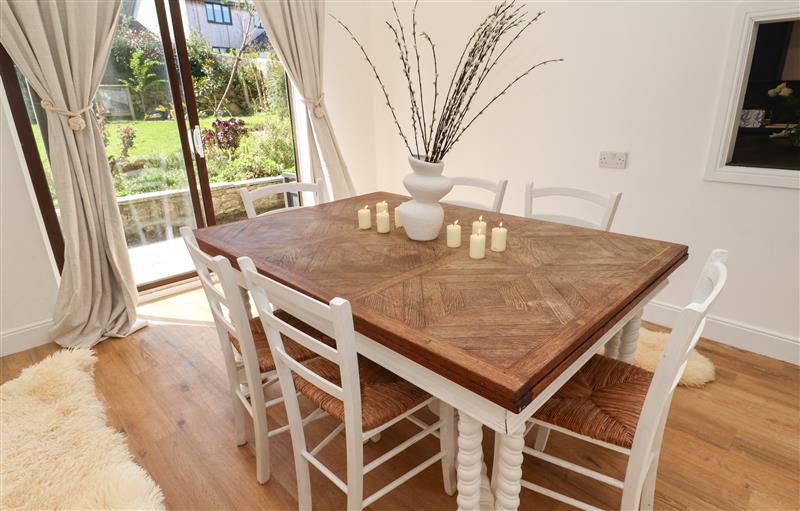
(502, 326)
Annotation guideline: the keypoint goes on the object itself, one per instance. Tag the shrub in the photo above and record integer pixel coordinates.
(127, 134)
(225, 135)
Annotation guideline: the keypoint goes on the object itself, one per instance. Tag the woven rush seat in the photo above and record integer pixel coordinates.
(602, 401)
(265, 361)
(384, 395)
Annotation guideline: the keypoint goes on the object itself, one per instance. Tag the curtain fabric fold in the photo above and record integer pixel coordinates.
(296, 31)
(62, 48)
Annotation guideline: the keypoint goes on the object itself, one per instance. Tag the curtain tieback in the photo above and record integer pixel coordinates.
(316, 105)
(76, 121)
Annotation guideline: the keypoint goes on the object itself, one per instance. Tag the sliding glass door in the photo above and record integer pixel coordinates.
(192, 107)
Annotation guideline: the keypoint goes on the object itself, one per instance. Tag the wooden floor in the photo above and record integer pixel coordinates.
(734, 444)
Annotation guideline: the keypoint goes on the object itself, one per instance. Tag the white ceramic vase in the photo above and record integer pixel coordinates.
(423, 216)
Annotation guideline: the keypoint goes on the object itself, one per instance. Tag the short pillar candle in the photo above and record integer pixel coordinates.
(382, 221)
(381, 207)
(499, 237)
(364, 218)
(479, 225)
(477, 245)
(398, 223)
(454, 235)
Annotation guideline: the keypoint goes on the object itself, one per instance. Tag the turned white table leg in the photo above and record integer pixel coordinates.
(612, 346)
(470, 463)
(629, 338)
(509, 470)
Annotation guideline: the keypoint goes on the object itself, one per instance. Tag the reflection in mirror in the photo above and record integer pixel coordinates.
(768, 132)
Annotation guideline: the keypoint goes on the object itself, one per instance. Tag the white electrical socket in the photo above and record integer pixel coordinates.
(612, 160)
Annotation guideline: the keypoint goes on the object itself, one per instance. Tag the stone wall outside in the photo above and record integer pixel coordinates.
(158, 216)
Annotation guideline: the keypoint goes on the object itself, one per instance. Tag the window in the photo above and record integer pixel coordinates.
(221, 49)
(758, 127)
(218, 13)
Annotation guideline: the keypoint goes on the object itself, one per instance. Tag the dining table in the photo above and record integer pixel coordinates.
(494, 338)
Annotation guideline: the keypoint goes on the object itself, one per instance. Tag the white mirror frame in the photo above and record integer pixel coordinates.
(746, 22)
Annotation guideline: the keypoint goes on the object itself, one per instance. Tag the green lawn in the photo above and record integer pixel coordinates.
(153, 138)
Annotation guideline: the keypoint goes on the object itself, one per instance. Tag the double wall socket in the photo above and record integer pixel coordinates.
(612, 160)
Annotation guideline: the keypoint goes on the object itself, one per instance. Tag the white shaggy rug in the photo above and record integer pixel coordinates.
(699, 369)
(56, 450)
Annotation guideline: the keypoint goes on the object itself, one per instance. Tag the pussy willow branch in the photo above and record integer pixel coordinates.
(502, 92)
(435, 88)
(480, 55)
(407, 74)
(419, 75)
(417, 118)
(507, 22)
(380, 82)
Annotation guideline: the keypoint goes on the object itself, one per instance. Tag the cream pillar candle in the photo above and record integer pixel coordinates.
(454, 235)
(477, 245)
(382, 221)
(364, 218)
(397, 222)
(499, 237)
(381, 207)
(479, 225)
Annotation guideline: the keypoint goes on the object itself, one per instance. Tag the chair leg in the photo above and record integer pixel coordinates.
(239, 416)
(542, 434)
(448, 445)
(649, 488)
(355, 470)
(262, 446)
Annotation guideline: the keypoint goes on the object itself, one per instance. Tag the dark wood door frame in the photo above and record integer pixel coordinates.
(33, 161)
(191, 105)
(180, 117)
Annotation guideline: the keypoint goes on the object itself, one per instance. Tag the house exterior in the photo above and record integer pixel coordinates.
(222, 23)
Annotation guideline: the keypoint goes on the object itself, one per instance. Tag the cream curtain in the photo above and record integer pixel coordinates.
(297, 31)
(62, 49)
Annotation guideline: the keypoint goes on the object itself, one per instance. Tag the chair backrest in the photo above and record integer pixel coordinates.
(231, 315)
(498, 188)
(335, 319)
(607, 203)
(682, 341)
(250, 196)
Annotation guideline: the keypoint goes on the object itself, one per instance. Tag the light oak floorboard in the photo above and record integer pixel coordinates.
(733, 445)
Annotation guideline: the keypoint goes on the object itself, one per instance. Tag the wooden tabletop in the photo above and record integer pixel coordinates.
(503, 326)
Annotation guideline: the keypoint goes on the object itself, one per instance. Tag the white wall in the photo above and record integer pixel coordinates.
(638, 77)
(28, 278)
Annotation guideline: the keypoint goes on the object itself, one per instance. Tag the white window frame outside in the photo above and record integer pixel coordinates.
(746, 22)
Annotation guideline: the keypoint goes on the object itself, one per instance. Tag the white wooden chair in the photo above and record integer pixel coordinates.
(365, 397)
(244, 349)
(250, 196)
(641, 402)
(607, 203)
(498, 188)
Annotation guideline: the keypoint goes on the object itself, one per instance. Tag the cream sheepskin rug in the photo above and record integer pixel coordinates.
(57, 452)
(699, 369)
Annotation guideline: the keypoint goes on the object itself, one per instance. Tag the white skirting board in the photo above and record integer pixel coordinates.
(25, 337)
(733, 333)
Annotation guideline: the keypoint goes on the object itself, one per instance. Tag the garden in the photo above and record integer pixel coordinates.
(242, 103)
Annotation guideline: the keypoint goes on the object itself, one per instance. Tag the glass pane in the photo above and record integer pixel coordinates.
(247, 132)
(217, 12)
(135, 109)
(38, 120)
(768, 132)
(226, 14)
(210, 12)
